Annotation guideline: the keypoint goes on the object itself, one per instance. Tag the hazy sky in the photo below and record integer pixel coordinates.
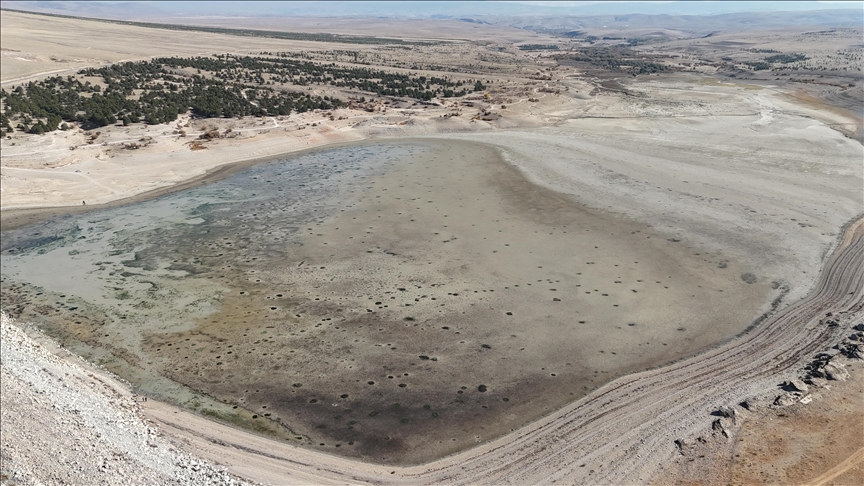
(419, 8)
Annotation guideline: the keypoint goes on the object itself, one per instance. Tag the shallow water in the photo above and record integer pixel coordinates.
(160, 265)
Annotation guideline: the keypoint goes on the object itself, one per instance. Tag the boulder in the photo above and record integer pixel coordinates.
(797, 385)
(818, 382)
(751, 404)
(684, 446)
(835, 371)
(832, 357)
(853, 350)
(728, 412)
(785, 399)
(719, 426)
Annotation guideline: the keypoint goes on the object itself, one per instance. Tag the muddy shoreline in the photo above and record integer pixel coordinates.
(11, 219)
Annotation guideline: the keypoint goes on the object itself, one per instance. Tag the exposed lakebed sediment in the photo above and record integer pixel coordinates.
(396, 301)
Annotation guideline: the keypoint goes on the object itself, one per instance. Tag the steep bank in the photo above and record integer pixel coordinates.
(65, 422)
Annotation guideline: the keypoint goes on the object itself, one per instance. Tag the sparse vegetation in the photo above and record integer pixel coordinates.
(615, 58)
(159, 90)
(785, 58)
(758, 65)
(538, 47)
(144, 91)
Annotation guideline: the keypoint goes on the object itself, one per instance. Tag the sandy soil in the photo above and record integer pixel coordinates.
(805, 448)
(718, 173)
(106, 171)
(421, 29)
(829, 79)
(32, 48)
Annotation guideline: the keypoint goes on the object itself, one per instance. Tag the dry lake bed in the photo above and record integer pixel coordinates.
(396, 301)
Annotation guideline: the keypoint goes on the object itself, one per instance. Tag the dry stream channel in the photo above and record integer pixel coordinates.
(391, 301)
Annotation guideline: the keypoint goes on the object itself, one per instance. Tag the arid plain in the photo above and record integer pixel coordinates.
(562, 229)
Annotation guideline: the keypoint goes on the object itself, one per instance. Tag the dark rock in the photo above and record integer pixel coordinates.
(752, 404)
(853, 350)
(818, 382)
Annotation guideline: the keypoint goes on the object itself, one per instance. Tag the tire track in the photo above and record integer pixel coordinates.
(849, 463)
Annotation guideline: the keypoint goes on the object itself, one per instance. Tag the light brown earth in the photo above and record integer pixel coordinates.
(817, 443)
(736, 171)
(794, 447)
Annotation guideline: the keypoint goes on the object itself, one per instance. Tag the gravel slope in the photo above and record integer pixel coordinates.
(63, 424)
